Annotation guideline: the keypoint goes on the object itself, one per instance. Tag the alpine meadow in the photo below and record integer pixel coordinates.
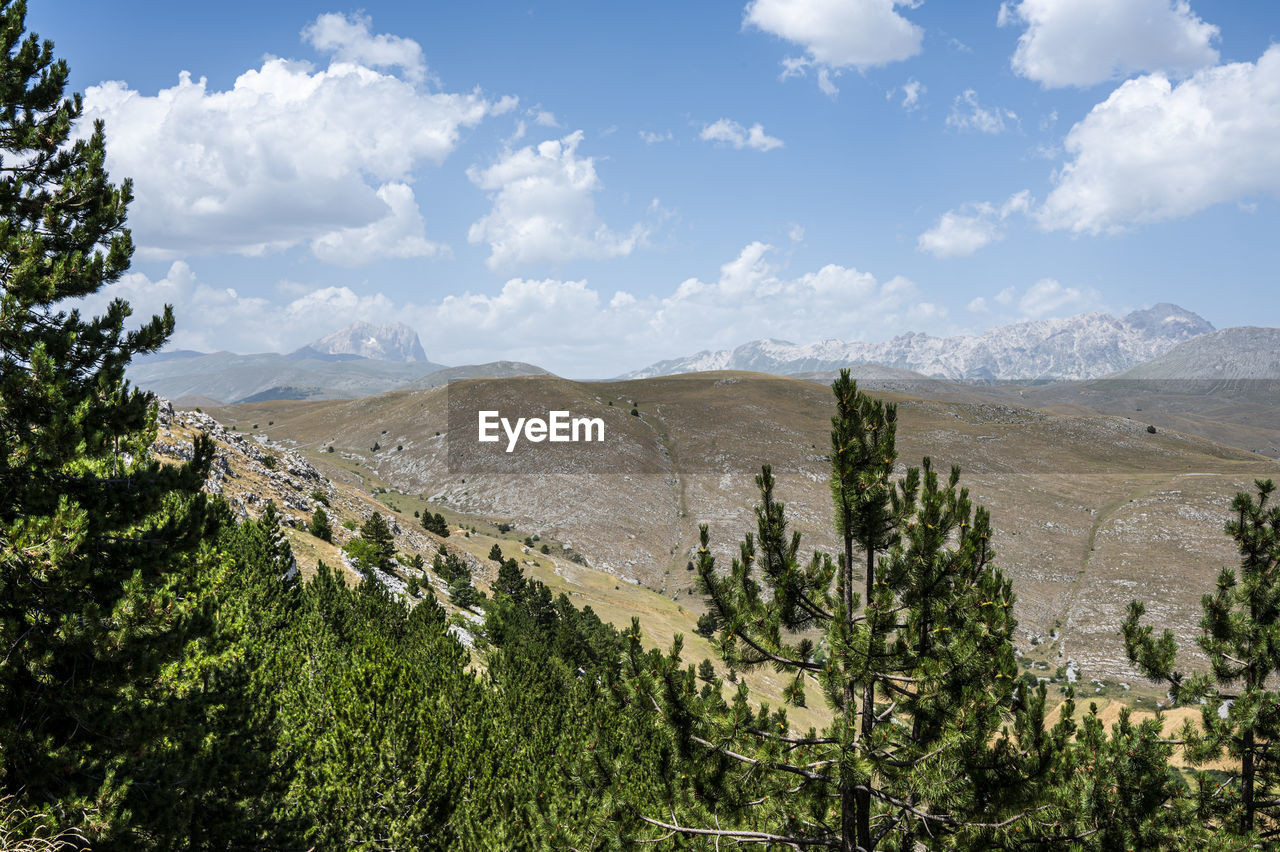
(1015, 588)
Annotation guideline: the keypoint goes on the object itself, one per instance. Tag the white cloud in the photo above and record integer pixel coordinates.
(566, 326)
(959, 233)
(210, 319)
(911, 92)
(837, 34)
(967, 113)
(749, 299)
(796, 233)
(651, 138)
(543, 208)
(732, 133)
(286, 156)
(1154, 151)
(349, 40)
(1047, 296)
(825, 84)
(1084, 42)
(400, 234)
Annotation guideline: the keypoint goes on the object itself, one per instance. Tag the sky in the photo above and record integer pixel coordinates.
(592, 187)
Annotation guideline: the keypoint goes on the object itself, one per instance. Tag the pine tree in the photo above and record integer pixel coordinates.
(103, 579)
(377, 534)
(320, 526)
(435, 524)
(510, 580)
(449, 566)
(917, 665)
(1240, 634)
(495, 553)
(463, 594)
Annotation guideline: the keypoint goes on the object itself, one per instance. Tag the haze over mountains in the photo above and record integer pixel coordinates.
(358, 360)
(1164, 342)
(1081, 347)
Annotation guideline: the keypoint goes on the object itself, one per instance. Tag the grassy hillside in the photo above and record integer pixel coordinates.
(1090, 510)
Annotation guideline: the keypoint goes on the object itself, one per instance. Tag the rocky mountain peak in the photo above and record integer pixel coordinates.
(386, 342)
(1167, 320)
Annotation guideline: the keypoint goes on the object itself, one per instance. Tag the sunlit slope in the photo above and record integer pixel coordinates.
(1090, 510)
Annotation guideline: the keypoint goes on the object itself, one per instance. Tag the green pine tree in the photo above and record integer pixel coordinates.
(104, 576)
(511, 581)
(1240, 634)
(449, 566)
(495, 553)
(377, 534)
(463, 594)
(320, 526)
(435, 523)
(907, 634)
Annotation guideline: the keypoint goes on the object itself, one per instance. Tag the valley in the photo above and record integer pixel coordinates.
(1089, 510)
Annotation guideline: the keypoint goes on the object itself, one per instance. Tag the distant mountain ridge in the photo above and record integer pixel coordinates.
(1085, 346)
(1242, 353)
(391, 341)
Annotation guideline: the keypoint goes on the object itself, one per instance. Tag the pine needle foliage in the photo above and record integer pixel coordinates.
(905, 635)
(1240, 634)
(105, 564)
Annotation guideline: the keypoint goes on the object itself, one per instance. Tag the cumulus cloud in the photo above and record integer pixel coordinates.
(211, 319)
(348, 38)
(967, 113)
(837, 34)
(1155, 151)
(1047, 296)
(1084, 42)
(732, 133)
(400, 234)
(651, 138)
(287, 155)
(750, 298)
(959, 233)
(598, 333)
(543, 208)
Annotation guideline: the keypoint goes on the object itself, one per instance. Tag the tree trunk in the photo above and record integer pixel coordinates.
(1246, 780)
(868, 706)
(848, 818)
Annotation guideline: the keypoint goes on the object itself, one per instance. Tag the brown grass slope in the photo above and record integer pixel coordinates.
(1090, 510)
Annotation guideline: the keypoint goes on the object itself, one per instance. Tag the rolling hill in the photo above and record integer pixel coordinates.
(1090, 510)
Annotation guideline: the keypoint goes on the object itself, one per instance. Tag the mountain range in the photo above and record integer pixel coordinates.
(1072, 348)
(1164, 342)
(358, 360)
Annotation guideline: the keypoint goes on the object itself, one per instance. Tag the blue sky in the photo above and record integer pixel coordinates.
(594, 186)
